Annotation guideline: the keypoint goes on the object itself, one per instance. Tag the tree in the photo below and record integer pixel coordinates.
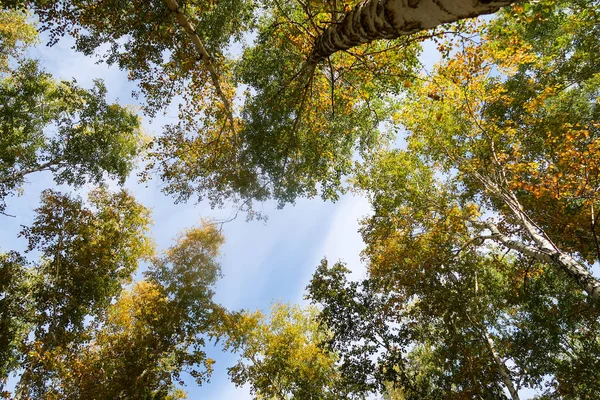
(490, 146)
(56, 126)
(92, 138)
(522, 140)
(370, 351)
(155, 331)
(16, 34)
(280, 356)
(87, 254)
(309, 104)
(13, 325)
(476, 326)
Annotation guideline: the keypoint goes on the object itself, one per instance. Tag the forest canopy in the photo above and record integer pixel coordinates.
(482, 171)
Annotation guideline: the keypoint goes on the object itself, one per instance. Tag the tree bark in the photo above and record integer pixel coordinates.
(389, 19)
(501, 367)
(549, 254)
(543, 248)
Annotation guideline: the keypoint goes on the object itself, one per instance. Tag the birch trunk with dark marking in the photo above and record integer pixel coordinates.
(542, 248)
(389, 19)
(550, 255)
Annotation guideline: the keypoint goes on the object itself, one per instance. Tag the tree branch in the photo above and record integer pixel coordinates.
(184, 22)
(373, 20)
(546, 255)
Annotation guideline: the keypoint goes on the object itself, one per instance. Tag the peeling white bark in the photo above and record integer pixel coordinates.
(389, 19)
(543, 248)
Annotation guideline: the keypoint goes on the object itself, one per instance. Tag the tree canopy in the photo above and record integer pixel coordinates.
(86, 253)
(482, 247)
(306, 71)
(154, 331)
(280, 357)
(57, 126)
(482, 241)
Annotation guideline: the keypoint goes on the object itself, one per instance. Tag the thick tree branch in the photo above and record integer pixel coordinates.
(389, 19)
(548, 255)
(16, 176)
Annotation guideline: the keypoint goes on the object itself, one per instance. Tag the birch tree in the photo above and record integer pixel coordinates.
(279, 354)
(154, 334)
(521, 134)
(476, 325)
(481, 243)
(87, 253)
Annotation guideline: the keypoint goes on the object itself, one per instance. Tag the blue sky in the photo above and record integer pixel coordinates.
(262, 262)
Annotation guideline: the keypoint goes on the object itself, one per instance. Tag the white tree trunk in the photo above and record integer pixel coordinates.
(542, 248)
(389, 19)
(549, 254)
(501, 367)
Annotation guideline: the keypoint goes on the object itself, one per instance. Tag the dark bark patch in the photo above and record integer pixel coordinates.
(439, 4)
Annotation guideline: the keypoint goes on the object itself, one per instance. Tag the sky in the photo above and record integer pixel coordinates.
(262, 262)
